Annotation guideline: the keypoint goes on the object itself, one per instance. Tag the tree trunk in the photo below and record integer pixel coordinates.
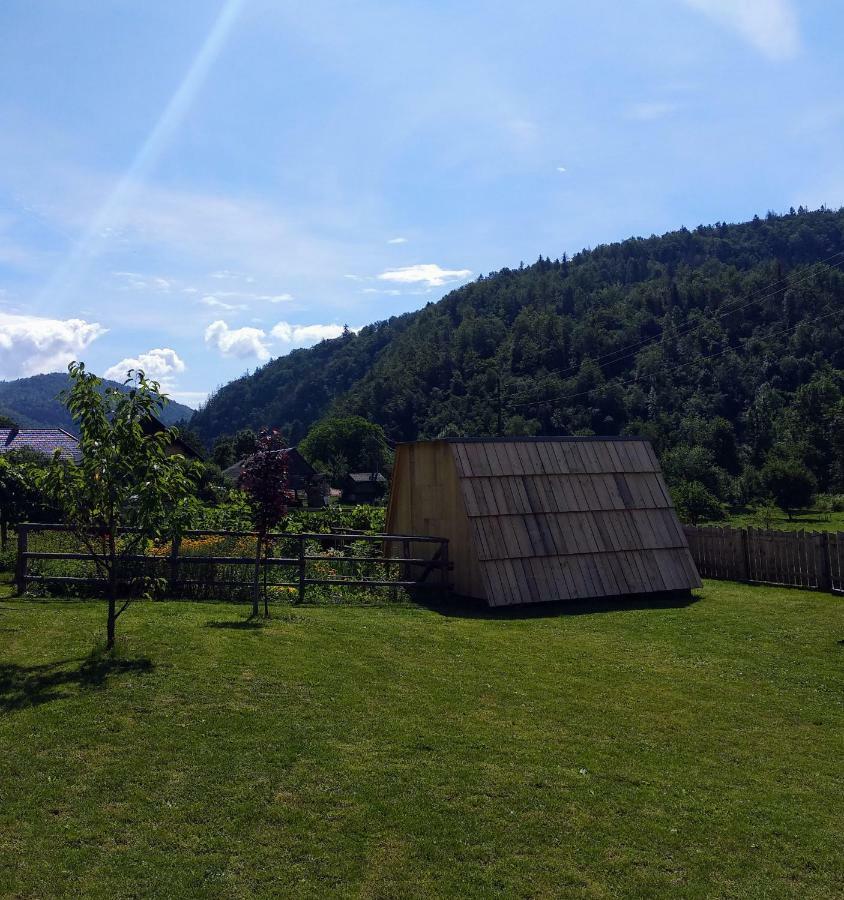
(4, 533)
(256, 582)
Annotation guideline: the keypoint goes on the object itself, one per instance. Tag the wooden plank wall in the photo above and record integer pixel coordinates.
(812, 560)
(426, 499)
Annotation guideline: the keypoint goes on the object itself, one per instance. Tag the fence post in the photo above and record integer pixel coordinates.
(21, 563)
(301, 569)
(745, 552)
(824, 569)
(173, 566)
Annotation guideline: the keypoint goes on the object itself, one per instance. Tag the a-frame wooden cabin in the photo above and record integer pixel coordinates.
(544, 519)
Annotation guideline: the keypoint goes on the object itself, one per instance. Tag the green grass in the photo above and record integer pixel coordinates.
(689, 751)
(805, 519)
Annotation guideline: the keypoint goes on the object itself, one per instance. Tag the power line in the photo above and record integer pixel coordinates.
(702, 359)
(613, 357)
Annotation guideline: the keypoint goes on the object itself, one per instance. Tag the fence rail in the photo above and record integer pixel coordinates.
(187, 566)
(813, 560)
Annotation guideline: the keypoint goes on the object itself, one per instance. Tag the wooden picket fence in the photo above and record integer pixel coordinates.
(813, 560)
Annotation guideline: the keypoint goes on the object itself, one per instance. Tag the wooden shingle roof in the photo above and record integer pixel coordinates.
(571, 518)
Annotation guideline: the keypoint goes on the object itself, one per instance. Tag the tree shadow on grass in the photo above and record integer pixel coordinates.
(471, 608)
(25, 686)
(239, 625)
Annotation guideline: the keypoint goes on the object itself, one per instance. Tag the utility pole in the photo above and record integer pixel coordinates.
(500, 424)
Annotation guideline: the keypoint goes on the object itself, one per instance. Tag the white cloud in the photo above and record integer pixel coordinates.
(397, 240)
(561, 169)
(302, 335)
(220, 304)
(140, 282)
(30, 345)
(769, 25)
(239, 342)
(162, 364)
(275, 298)
(426, 273)
(651, 110)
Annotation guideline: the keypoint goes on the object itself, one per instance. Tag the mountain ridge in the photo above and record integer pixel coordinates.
(33, 402)
(562, 329)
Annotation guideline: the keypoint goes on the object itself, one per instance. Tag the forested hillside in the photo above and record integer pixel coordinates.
(34, 403)
(724, 344)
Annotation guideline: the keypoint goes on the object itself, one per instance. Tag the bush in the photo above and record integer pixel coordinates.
(830, 503)
(694, 503)
(790, 484)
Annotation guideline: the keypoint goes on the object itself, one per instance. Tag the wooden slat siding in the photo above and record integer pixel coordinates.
(836, 575)
(685, 567)
(600, 496)
(613, 459)
(652, 561)
(800, 559)
(597, 457)
(552, 519)
(632, 459)
(461, 460)
(592, 457)
(628, 460)
(671, 568)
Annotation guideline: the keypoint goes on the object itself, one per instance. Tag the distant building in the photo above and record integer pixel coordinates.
(364, 487)
(303, 479)
(153, 426)
(48, 440)
(41, 440)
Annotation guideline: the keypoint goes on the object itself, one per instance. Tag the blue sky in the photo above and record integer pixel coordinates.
(203, 185)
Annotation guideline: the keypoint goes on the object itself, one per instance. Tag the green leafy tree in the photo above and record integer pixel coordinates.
(694, 503)
(16, 496)
(222, 453)
(790, 483)
(361, 443)
(245, 443)
(127, 490)
(692, 464)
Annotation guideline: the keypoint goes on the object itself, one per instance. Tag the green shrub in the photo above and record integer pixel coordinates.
(694, 503)
(790, 484)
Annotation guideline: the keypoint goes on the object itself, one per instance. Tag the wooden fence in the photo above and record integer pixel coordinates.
(220, 565)
(813, 560)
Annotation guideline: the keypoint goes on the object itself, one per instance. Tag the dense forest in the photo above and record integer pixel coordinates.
(34, 403)
(724, 345)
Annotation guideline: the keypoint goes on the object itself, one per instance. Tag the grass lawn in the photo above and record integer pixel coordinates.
(805, 519)
(689, 751)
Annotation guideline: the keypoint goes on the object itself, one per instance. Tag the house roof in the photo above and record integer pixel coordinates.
(41, 440)
(153, 425)
(298, 468)
(367, 477)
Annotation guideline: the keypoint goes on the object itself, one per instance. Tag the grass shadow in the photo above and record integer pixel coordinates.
(239, 625)
(471, 608)
(24, 686)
